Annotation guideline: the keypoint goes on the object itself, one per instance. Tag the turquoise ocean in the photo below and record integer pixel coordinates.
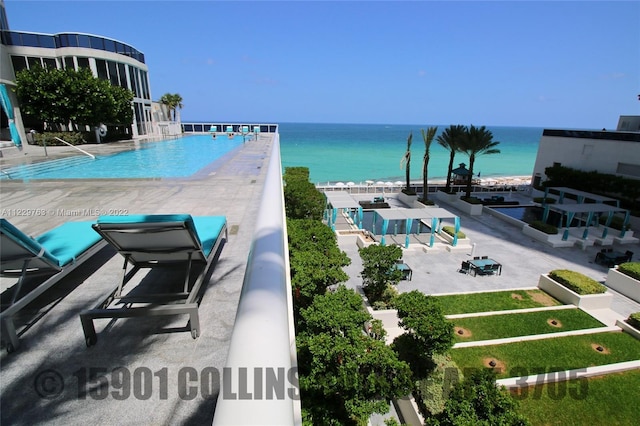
(361, 152)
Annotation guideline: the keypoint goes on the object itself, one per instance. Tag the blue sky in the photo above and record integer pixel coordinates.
(546, 64)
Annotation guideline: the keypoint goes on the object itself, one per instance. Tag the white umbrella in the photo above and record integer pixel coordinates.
(339, 183)
(379, 182)
(350, 183)
(388, 183)
(398, 182)
(368, 182)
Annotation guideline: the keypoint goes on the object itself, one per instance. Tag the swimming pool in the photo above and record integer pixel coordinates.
(175, 158)
(529, 214)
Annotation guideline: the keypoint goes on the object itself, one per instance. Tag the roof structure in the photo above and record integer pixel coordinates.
(341, 200)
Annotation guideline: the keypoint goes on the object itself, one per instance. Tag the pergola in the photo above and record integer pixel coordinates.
(337, 200)
(581, 207)
(581, 196)
(433, 214)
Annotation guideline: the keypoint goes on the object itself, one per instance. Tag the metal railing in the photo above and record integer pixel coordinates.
(75, 147)
(260, 380)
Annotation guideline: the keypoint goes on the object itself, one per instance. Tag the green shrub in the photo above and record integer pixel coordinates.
(631, 269)
(74, 138)
(471, 200)
(542, 200)
(450, 229)
(616, 222)
(577, 282)
(634, 320)
(544, 227)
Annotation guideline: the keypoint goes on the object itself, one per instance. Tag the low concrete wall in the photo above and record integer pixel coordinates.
(562, 293)
(407, 200)
(628, 329)
(624, 284)
(455, 201)
(552, 240)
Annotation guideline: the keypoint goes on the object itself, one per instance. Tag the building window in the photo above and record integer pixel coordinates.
(68, 62)
(83, 62)
(123, 75)
(83, 41)
(113, 73)
(34, 62)
(19, 63)
(101, 68)
(50, 63)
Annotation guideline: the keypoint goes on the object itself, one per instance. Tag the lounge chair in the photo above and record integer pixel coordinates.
(54, 254)
(151, 241)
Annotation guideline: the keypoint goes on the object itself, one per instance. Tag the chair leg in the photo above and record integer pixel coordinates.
(9, 334)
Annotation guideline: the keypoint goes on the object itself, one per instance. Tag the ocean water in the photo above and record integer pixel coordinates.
(360, 152)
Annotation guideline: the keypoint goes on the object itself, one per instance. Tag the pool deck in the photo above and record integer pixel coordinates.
(161, 344)
(159, 352)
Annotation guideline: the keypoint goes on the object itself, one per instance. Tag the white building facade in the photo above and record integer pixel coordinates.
(611, 152)
(108, 59)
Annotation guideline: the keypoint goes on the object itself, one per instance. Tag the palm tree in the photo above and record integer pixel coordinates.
(406, 158)
(477, 141)
(173, 102)
(450, 139)
(427, 137)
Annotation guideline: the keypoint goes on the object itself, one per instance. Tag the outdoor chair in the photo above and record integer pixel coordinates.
(53, 255)
(154, 241)
(465, 267)
(484, 257)
(629, 255)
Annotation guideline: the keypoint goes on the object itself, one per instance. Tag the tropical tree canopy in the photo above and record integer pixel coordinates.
(406, 159)
(66, 96)
(451, 140)
(427, 137)
(173, 101)
(477, 141)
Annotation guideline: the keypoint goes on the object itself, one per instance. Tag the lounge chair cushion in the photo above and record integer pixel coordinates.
(69, 240)
(59, 246)
(206, 228)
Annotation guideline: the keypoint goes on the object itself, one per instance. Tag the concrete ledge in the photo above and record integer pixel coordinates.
(565, 295)
(628, 329)
(623, 284)
(552, 240)
(560, 376)
(534, 337)
(454, 200)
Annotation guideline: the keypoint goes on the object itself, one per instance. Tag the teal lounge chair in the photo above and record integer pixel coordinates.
(152, 241)
(54, 253)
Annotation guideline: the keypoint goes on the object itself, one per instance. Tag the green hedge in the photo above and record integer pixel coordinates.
(450, 229)
(544, 227)
(74, 138)
(577, 282)
(631, 269)
(616, 222)
(542, 200)
(634, 320)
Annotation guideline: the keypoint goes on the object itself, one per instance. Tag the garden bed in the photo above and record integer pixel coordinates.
(547, 355)
(564, 294)
(623, 284)
(495, 301)
(522, 324)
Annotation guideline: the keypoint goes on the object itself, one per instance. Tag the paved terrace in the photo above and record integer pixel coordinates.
(523, 259)
(54, 341)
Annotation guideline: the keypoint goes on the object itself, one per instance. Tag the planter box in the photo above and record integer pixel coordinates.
(565, 295)
(627, 328)
(407, 199)
(552, 240)
(623, 284)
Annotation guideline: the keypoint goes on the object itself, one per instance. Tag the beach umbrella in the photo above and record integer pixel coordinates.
(398, 182)
(368, 182)
(8, 109)
(388, 183)
(340, 184)
(351, 183)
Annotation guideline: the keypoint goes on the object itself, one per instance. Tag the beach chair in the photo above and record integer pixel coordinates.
(154, 241)
(51, 255)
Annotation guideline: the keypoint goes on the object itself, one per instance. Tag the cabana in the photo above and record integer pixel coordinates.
(337, 200)
(581, 196)
(581, 207)
(433, 215)
(570, 210)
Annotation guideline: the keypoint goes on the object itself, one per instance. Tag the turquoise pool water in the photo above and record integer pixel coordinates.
(175, 158)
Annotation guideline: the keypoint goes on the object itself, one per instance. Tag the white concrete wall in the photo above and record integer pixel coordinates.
(585, 154)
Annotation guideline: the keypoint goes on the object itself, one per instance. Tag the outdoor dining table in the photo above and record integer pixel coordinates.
(611, 257)
(407, 273)
(480, 265)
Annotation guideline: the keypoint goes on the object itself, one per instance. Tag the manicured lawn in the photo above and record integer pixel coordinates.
(610, 399)
(511, 325)
(554, 354)
(495, 301)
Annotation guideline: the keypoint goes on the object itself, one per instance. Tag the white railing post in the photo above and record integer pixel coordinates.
(259, 384)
